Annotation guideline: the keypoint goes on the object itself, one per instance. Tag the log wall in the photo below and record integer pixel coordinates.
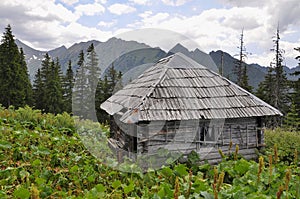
(203, 136)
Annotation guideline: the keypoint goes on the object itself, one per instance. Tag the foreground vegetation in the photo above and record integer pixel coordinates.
(41, 156)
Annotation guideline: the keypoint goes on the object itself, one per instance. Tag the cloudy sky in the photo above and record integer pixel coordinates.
(210, 24)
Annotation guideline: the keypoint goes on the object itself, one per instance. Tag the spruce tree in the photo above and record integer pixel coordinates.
(93, 75)
(38, 91)
(296, 86)
(292, 119)
(102, 93)
(274, 88)
(240, 69)
(25, 81)
(41, 83)
(68, 85)
(266, 87)
(78, 95)
(48, 92)
(53, 86)
(111, 83)
(85, 85)
(14, 80)
(280, 84)
(245, 80)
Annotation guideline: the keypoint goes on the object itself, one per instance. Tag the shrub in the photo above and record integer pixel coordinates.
(287, 142)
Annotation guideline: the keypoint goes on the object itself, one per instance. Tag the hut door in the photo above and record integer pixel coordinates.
(134, 141)
(200, 136)
(259, 132)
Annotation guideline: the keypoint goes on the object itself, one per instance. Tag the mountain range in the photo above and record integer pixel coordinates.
(132, 58)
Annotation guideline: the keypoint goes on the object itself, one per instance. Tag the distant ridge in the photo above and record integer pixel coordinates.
(127, 55)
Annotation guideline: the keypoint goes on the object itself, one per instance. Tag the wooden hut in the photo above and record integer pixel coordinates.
(181, 105)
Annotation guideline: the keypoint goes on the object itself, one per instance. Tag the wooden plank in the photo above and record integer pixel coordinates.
(173, 147)
(230, 134)
(256, 136)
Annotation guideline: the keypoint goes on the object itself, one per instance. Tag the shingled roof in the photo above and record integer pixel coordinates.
(178, 88)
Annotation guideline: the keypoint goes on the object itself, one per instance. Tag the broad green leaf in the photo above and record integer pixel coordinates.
(161, 193)
(43, 150)
(36, 162)
(40, 181)
(21, 193)
(116, 184)
(167, 171)
(5, 144)
(74, 169)
(100, 188)
(129, 188)
(23, 174)
(91, 178)
(181, 170)
(207, 195)
(242, 166)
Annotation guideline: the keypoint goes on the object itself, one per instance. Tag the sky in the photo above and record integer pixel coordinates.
(209, 24)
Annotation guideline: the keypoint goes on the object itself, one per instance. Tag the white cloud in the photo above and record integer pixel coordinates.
(150, 20)
(120, 9)
(90, 9)
(81, 32)
(35, 10)
(107, 24)
(146, 14)
(246, 3)
(283, 11)
(175, 2)
(101, 1)
(46, 24)
(69, 2)
(220, 29)
(141, 2)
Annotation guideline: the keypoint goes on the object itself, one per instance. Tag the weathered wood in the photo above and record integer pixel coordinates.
(203, 136)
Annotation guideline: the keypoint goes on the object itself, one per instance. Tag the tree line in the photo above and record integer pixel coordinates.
(276, 89)
(81, 93)
(52, 91)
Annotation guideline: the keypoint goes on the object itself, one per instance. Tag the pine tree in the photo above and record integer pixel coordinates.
(78, 96)
(102, 93)
(292, 119)
(14, 80)
(68, 88)
(245, 80)
(296, 86)
(274, 89)
(240, 69)
(25, 81)
(111, 83)
(48, 92)
(93, 75)
(53, 86)
(265, 88)
(40, 82)
(92, 67)
(86, 80)
(280, 84)
(38, 91)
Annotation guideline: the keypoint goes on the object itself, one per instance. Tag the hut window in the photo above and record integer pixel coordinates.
(208, 134)
(211, 134)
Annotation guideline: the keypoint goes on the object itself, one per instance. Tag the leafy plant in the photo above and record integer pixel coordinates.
(44, 160)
